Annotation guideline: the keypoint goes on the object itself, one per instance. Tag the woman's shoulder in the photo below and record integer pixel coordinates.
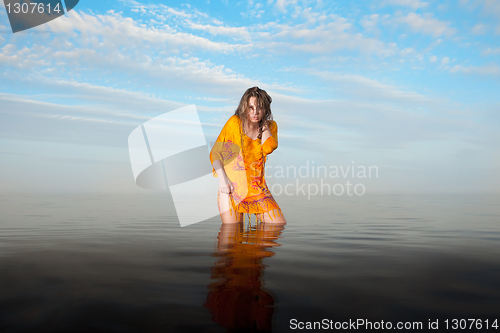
(273, 125)
(232, 125)
(233, 120)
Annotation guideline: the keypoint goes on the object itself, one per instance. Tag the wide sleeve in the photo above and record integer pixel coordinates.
(271, 142)
(226, 147)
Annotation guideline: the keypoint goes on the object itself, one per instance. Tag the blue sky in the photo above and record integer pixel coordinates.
(407, 85)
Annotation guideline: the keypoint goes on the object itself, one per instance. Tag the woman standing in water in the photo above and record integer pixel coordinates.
(238, 157)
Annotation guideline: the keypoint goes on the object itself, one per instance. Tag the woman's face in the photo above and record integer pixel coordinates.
(254, 113)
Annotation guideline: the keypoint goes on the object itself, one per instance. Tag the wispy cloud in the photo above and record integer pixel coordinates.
(369, 89)
(491, 51)
(426, 24)
(487, 70)
(124, 31)
(282, 5)
(479, 29)
(413, 4)
(326, 37)
(240, 32)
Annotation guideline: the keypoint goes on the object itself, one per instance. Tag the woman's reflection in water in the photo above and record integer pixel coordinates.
(236, 299)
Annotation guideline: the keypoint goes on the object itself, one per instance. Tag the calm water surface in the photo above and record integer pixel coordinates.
(121, 263)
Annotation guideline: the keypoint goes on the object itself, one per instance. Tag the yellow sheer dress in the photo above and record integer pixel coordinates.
(244, 160)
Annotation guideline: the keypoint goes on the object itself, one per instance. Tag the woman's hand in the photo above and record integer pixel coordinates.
(225, 185)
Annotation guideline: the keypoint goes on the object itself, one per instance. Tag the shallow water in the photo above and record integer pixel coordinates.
(121, 263)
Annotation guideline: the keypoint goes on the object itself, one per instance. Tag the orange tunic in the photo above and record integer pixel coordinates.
(245, 167)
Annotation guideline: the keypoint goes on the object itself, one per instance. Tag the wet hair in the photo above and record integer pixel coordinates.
(263, 102)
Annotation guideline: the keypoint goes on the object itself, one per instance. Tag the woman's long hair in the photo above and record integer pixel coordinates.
(263, 102)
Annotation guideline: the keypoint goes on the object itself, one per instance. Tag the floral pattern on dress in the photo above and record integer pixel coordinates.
(228, 152)
(240, 164)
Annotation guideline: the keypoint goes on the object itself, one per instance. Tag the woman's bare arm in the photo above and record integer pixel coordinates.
(266, 133)
(225, 185)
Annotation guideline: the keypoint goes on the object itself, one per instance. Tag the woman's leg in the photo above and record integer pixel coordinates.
(228, 236)
(268, 234)
(227, 214)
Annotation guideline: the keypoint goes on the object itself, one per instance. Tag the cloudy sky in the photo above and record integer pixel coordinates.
(408, 86)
